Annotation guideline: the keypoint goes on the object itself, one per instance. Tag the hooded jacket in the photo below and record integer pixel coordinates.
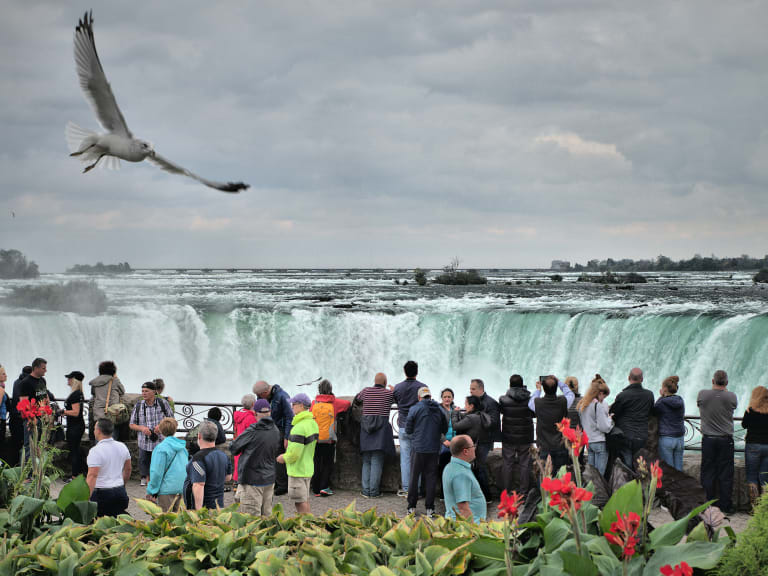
(280, 408)
(425, 424)
(168, 469)
(671, 413)
(516, 417)
(300, 454)
(257, 447)
(469, 423)
(99, 389)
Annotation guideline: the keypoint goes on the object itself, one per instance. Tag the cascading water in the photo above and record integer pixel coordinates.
(210, 340)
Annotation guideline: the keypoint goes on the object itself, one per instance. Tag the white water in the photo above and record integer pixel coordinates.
(211, 336)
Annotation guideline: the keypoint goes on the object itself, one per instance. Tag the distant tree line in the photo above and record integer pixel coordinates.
(13, 264)
(100, 268)
(664, 264)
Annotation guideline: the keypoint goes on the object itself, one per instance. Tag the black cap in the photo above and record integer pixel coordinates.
(150, 385)
(76, 374)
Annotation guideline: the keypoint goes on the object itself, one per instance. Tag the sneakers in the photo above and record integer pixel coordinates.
(411, 511)
(379, 495)
(143, 481)
(402, 493)
(364, 495)
(430, 513)
(326, 492)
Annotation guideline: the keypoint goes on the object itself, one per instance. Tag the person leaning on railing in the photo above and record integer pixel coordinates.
(670, 410)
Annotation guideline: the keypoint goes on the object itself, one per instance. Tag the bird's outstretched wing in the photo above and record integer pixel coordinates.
(169, 166)
(93, 81)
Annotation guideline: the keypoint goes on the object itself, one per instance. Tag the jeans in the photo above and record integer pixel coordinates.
(628, 450)
(756, 456)
(481, 469)
(671, 450)
(424, 465)
(325, 454)
(405, 458)
(597, 456)
(373, 464)
(74, 436)
(145, 461)
(517, 455)
(110, 501)
(717, 468)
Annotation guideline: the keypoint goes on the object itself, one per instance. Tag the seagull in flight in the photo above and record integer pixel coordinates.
(118, 142)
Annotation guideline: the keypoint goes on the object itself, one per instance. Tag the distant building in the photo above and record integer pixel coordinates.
(560, 265)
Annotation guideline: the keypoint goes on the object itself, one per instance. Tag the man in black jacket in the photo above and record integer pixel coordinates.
(488, 435)
(631, 411)
(516, 433)
(258, 446)
(550, 410)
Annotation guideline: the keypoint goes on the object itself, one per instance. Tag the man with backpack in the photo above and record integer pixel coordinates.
(326, 409)
(145, 420)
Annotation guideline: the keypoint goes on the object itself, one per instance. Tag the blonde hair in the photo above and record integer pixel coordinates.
(598, 385)
(78, 384)
(573, 383)
(670, 383)
(168, 426)
(759, 400)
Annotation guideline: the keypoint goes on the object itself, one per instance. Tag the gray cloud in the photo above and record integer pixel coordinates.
(394, 134)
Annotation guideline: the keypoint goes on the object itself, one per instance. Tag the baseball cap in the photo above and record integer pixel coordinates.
(150, 385)
(76, 374)
(301, 399)
(424, 392)
(261, 405)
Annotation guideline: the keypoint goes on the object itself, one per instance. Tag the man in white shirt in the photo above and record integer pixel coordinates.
(109, 468)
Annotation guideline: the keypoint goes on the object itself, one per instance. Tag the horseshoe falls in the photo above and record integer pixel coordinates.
(211, 335)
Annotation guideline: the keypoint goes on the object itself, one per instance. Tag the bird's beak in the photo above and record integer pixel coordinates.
(152, 153)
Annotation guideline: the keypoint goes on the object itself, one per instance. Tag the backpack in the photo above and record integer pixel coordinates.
(326, 422)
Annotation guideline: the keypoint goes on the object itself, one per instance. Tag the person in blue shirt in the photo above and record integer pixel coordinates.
(461, 490)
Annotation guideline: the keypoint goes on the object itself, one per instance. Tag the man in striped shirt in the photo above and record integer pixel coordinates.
(376, 440)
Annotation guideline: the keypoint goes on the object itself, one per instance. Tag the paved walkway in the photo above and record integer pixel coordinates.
(386, 503)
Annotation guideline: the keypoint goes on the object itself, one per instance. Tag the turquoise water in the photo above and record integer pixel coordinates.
(210, 336)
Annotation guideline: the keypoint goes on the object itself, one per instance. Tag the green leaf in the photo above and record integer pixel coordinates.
(75, 491)
(68, 565)
(671, 533)
(555, 534)
(81, 512)
(576, 565)
(25, 506)
(698, 534)
(148, 507)
(140, 568)
(607, 565)
(704, 555)
(628, 498)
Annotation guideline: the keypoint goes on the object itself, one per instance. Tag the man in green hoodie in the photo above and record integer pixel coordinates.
(299, 457)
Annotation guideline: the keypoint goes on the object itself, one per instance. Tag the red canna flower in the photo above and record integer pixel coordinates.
(624, 533)
(510, 505)
(681, 569)
(45, 409)
(28, 408)
(656, 472)
(564, 494)
(576, 438)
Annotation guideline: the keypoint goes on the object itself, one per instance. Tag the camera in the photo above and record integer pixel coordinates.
(153, 437)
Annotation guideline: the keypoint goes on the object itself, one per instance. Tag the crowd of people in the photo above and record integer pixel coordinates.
(287, 445)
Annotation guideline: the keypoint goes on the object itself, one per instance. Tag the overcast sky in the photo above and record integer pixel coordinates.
(392, 133)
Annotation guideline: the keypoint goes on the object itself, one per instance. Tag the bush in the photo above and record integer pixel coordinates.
(420, 277)
(761, 276)
(556, 278)
(750, 555)
(80, 296)
(13, 264)
(634, 278)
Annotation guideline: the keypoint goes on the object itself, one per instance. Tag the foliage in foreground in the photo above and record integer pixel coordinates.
(750, 555)
(340, 542)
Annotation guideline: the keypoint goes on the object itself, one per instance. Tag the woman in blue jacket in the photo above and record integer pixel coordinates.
(670, 409)
(168, 468)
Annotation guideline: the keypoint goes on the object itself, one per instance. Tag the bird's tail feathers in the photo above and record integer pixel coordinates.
(78, 139)
(82, 143)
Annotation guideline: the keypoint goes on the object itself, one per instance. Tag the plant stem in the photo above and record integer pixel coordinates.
(507, 551)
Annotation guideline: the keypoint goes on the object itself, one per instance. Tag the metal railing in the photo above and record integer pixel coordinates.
(189, 415)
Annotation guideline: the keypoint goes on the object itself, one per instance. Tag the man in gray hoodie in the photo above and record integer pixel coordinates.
(100, 389)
